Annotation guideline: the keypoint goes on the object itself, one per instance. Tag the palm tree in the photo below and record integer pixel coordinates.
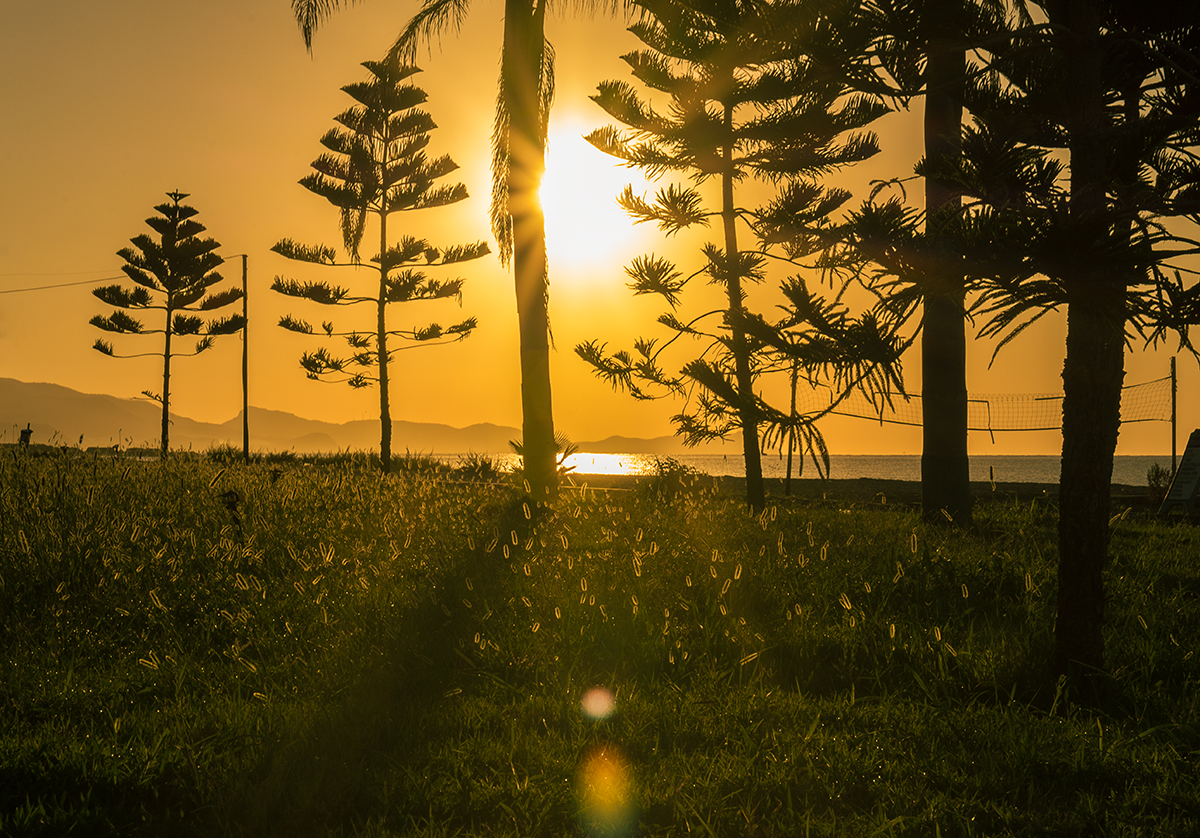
(518, 161)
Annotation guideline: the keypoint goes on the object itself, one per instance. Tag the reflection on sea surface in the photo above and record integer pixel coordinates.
(1127, 469)
(611, 464)
(588, 463)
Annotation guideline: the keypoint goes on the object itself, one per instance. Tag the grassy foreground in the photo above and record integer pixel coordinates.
(327, 652)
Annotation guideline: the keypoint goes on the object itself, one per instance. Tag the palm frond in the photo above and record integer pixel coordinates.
(434, 18)
(310, 14)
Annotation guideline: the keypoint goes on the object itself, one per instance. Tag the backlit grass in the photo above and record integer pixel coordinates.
(199, 648)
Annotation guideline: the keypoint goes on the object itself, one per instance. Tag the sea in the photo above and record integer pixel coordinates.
(1003, 468)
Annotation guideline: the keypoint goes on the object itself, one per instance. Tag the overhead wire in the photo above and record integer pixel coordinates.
(60, 285)
(68, 284)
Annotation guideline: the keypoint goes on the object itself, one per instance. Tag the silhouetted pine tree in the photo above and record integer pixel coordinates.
(526, 89)
(375, 167)
(173, 274)
(757, 93)
(1115, 85)
(921, 48)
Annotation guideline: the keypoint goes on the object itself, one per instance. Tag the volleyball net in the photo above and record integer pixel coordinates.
(1149, 401)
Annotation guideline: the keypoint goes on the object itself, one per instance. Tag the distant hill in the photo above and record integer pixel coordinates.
(62, 416)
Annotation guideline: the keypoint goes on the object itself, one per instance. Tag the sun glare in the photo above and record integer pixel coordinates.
(587, 233)
(589, 463)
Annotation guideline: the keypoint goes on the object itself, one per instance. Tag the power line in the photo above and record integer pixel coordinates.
(53, 273)
(68, 284)
(67, 273)
(61, 285)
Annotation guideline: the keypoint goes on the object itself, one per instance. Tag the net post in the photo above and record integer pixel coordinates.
(1174, 433)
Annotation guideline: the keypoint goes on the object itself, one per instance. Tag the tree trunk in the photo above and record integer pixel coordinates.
(945, 469)
(164, 445)
(1092, 376)
(385, 411)
(787, 483)
(1094, 368)
(524, 39)
(756, 497)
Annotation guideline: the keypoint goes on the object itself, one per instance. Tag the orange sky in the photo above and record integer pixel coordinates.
(109, 106)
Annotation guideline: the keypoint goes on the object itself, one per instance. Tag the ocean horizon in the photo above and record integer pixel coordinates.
(1003, 468)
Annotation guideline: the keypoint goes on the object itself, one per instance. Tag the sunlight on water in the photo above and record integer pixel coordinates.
(1015, 468)
(605, 788)
(610, 463)
(589, 463)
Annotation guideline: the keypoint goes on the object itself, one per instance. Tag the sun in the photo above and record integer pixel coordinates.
(588, 235)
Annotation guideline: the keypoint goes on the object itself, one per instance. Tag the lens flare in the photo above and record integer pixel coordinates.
(598, 703)
(605, 788)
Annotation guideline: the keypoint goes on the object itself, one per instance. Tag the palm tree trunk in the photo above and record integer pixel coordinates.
(1093, 371)
(945, 469)
(524, 40)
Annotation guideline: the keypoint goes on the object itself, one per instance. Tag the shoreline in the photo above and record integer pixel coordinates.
(879, 493)
(859, 492)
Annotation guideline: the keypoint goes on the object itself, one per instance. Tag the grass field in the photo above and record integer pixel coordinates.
(198, 648)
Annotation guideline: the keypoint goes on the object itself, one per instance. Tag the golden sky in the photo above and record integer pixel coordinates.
(109, 106)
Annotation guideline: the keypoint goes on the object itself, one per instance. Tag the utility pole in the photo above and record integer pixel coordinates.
(245, 364)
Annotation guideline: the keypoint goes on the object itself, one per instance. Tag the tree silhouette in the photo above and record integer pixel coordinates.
(757, 92)
(945, 469)
(375, 167)
(172, 275)
(1117, 87)
(1113, 87)
(518, 162)
(922, 48)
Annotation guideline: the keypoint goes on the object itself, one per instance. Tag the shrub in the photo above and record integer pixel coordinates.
(1158, 483)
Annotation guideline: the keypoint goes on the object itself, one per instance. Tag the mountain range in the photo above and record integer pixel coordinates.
(61, 416)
